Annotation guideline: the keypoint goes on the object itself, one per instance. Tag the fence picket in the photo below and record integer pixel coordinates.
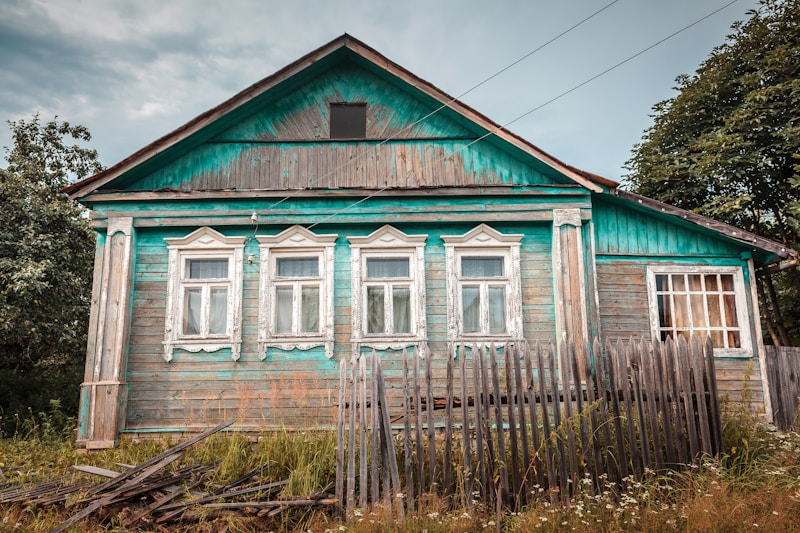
(511, 395)
(615, 388)
(556, 406)
(480, 469)
(447, 464)
(362, 431)
(637, 380)
(431, 426)
(420, 451)
(521, 394)
(698, 369)
(688, 397)
(538, 449)
(502, 470)
(651, 398)
(547, 442)
(465, 426)
(408, 457)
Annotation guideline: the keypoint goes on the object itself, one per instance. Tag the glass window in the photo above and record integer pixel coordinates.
(205, 287)
(483, 294)
(388, 292)
(296, 289)
(698, 304)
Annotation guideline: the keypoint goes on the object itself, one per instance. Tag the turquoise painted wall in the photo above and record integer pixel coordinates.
(203, 387)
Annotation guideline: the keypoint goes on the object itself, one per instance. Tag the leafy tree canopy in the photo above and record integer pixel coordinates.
(728, 145)
(46, 246)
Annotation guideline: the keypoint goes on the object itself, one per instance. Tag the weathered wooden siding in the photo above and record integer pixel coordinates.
(249, 165)
(623, 230)
(624, 314)
(196, 389)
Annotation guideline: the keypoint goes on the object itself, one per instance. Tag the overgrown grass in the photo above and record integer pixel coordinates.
(755, 484)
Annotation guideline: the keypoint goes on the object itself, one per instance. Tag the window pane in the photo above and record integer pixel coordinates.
(283, 309)
(695, 283)
(717, 339)
(481, 267)
(218, 314)
(698, 310)
(401, 310)
(298, 267)
(681, 314)
(730, 310)
(661, 283)
(192, 303)
(734, 341)
(471, 309)
(390, 267)
(711, 283)
(310, 310)
(375, 311)
(664, 311)
(727, 282)
(207, 268)
(678, 282)
(714, 316)
(497, 310)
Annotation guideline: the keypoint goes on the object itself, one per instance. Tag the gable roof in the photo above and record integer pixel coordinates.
(329, 53)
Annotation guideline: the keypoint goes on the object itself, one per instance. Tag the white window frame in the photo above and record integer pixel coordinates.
(746, 349)
(203, 243)
(483, 241)
(295, 242)
(388, 242)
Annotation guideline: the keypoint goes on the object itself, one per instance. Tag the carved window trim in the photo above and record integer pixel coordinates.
(203, 243)
(740, 301)
(483, 241)
(295, 241)
(388, 242)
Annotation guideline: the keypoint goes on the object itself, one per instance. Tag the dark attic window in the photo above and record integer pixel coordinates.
(348, 121)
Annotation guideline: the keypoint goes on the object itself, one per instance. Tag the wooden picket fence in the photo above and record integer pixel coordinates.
(783, 375)
(506, 425)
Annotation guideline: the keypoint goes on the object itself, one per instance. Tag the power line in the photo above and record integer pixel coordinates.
(548, 102)
(445, 105)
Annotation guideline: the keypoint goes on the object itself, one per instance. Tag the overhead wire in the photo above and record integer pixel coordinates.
(444, 105)
(537, 108)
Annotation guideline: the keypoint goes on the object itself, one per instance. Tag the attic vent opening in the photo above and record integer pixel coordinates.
(348, 121)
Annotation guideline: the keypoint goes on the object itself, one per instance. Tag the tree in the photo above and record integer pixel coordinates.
(46, 247)
(728, 144)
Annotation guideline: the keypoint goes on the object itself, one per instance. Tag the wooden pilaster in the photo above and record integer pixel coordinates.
(104, 390)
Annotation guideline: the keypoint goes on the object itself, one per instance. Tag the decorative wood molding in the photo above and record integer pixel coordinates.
(388, 240)
(204, 243)
(563, 217)
(295, 239)
(484, 239)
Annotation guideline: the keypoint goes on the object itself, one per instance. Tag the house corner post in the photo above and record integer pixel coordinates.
(569, 281)
(104, 389)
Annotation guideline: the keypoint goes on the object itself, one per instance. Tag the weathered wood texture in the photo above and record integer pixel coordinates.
(641, 407)
(783, 370)
(288, 386)
(624, 314)
(622, 230)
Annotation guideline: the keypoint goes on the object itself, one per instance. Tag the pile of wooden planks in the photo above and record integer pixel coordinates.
(153, 494)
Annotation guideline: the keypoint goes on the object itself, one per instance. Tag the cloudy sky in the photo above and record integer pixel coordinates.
(134, 70)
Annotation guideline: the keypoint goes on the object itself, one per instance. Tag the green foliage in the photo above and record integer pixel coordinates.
(46, 255)
(727, 145)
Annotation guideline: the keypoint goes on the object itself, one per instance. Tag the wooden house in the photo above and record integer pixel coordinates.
(344, 204)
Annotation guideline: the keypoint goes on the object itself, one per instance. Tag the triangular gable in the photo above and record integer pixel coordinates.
(211, 124)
